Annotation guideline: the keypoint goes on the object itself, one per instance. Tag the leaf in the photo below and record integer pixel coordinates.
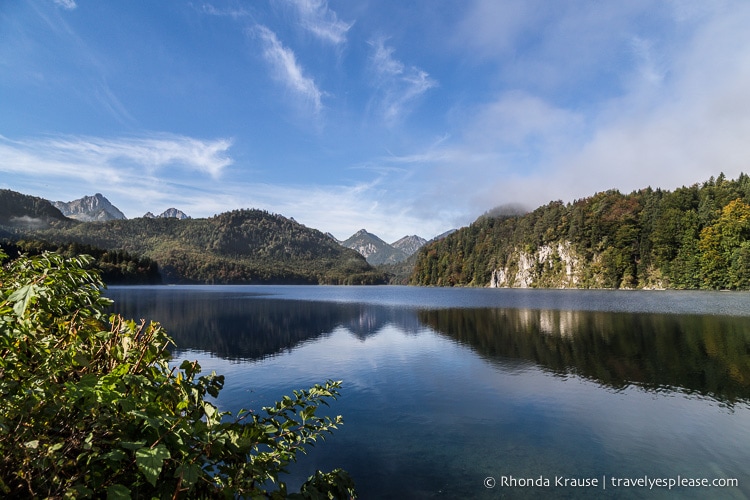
(150, 461)
(190, 474)
(118, 492)
(22, 297)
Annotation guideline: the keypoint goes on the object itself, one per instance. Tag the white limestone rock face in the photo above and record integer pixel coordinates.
(550, 266)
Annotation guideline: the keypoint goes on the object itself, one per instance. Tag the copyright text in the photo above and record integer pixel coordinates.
(613, 482)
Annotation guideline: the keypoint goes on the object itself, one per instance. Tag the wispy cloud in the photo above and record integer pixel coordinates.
(318, 19)
(94, 157)
(66, 4)
(137, 174)
(110, 102)
(398, 84)
(343, 209)
(286, 68)
(234, 13)
(649, 67)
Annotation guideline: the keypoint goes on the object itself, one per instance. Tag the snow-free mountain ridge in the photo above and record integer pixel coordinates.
(378, 252)
(89, 208)
(170, 213)
(99, 208)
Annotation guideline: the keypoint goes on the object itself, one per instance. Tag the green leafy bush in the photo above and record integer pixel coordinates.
(90, 406)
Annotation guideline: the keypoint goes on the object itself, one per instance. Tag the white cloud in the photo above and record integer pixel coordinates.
(344, 209)
(321, 21)
(153, 173)
(286, 68)
(137, 174)
(649, 68)
(95, 158)
(398, 85)
(234, 13)
(491, 28)
(66, 4)
(677, 113)
(518, 119)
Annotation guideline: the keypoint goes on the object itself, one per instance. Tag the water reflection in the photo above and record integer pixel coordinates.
(707, 355)
(244, 327)
(702, 354)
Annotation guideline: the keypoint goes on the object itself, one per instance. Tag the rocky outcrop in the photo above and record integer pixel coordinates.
(550, 266)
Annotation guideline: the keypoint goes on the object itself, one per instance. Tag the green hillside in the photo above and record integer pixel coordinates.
(695, 237)
(21, 210)
(242, 246)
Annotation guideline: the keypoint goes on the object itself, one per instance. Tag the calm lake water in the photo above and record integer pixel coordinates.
(488, 393)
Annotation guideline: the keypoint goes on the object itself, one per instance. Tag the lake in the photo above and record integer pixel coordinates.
(488, 393)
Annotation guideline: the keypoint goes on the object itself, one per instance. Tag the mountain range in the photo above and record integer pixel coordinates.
(99, 208)
(170, 213)
(378, 252)
(371, 247)
(695, 237)
(242, 246)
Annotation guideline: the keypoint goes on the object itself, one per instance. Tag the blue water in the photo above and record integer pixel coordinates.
(444, 388)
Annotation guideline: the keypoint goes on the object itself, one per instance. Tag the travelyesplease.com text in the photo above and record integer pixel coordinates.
(609, 481)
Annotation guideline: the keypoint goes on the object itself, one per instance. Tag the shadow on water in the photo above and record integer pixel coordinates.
(697, 354)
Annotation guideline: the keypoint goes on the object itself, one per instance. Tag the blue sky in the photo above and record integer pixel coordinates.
(398, 117)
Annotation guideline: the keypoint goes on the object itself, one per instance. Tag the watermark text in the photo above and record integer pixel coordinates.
(605, 482)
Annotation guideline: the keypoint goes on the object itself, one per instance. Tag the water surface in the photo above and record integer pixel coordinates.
(444, 388)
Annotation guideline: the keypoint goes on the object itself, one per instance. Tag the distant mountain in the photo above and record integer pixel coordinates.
(409, 244)
(242, 246)
(170, 213)
(372, 248)
(89, 208)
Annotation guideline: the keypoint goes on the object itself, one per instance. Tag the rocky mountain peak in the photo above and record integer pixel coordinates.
(90, 208)
(372, 248)
(409, 244)
(170, 213)
(174, 213)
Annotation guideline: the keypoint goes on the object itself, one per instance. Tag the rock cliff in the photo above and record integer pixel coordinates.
(550, 266)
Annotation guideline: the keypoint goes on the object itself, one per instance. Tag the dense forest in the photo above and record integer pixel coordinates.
(242, 246)
(695, 237)
(116, 267)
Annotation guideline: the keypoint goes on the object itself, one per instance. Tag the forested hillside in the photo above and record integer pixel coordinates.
(242, 246)
(695, 237)
(23, 210)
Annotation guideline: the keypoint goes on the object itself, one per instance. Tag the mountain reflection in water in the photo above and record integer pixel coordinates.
(700, 354)
(250, 328)
(703, 354)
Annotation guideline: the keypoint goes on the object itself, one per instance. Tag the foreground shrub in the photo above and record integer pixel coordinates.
(89, 405)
